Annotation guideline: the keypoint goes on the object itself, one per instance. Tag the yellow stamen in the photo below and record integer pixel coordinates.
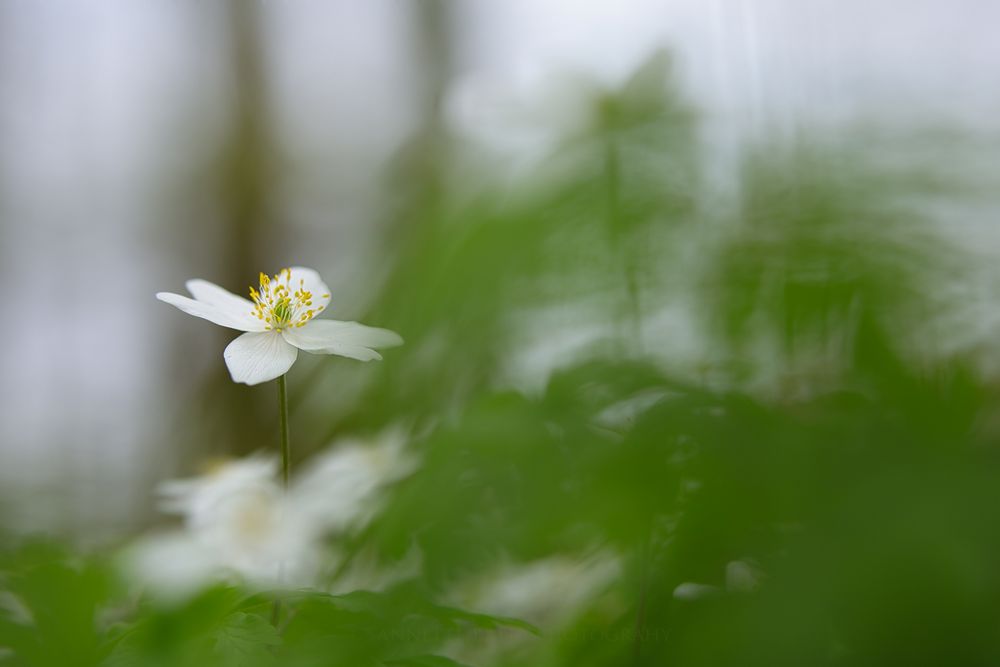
(279, 304)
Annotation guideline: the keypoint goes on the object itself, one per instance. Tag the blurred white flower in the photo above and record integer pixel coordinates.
(240, 514)
(278, 323)
(239, 524)
(173, 566)
(341, 488)
(741, 577)
(544, 592)
(692, 591)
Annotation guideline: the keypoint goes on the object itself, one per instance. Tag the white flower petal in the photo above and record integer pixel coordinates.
(223, 318)
(240, 309)
(340, 486)
(193, 496)
(310, 281)
(690, 590)
(174, 566)
(742, 577)
(347, 339)
(241, 517)
(257, 357)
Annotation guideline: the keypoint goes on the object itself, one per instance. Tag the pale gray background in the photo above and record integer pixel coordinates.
(110, 111)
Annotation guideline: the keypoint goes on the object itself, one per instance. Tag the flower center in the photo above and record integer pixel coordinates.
(255, 519)
(281, 304)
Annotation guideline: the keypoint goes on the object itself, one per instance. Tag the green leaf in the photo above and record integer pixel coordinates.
(426, 661)
(61, 596)
(488, 622)
(181, 635)
(246, 639)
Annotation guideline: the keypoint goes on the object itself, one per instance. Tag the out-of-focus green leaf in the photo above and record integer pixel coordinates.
(56, 597)
(425, 661)
(365, 627)
(184, 634)
(246, 639)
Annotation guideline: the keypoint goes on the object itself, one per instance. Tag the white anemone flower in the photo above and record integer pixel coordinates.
(173, 566)
(342, 487)
(279, 321)
(238, 523)
(741, 577)
(545, 591)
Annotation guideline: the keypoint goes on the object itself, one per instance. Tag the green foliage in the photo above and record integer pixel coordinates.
(51, 604)
(815, 469)
(819, 441)
(246, 639)
(62, 610)
(400, 626)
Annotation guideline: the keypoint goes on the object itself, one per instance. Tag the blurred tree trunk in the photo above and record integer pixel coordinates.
(247, 155)
(244, 186)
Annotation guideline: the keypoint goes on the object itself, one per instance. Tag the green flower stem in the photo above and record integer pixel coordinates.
(286, 448)
(286, 454)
